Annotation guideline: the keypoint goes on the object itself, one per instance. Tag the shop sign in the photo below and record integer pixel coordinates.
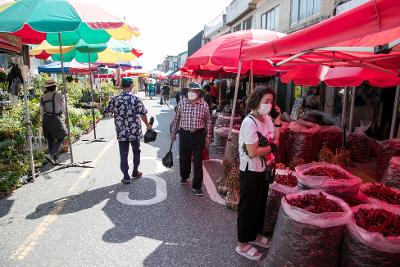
(10, 42)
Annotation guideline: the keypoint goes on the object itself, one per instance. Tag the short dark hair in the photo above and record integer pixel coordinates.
(257, 95)
(51, 88)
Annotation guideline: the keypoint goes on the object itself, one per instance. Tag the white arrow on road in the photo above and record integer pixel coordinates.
(161, 194)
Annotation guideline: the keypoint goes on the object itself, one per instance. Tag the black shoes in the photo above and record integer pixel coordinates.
(126, 181)
(137, 175)
(198, 192)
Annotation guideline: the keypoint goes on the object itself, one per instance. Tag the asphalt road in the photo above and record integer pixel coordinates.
(86, 217)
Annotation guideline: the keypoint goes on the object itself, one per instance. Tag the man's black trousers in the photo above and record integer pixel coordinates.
(191, 143)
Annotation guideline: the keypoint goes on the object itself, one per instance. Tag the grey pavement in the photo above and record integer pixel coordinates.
(75, 216)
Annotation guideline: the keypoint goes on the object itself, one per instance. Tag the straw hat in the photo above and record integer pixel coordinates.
(49, 83)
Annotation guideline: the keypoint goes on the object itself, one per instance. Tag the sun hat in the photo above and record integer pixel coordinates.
(49, 83)
(195, 86)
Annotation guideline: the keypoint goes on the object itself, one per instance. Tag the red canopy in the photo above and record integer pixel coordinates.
(370, 18)
(224, 51)
(312, 75)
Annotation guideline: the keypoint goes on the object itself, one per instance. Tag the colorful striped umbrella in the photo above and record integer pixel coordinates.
(38, 20)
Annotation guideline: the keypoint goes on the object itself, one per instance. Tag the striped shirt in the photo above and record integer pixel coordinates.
(192, 116)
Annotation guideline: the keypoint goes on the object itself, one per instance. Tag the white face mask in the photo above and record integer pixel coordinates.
(265, 109)
(192, 96)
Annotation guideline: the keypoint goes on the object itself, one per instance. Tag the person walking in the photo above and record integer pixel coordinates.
(258, 140)
(151, 89)
(52, 106)
(127, 110)
(213, 93)
(193, 123)
(165, 92)
(158, 87)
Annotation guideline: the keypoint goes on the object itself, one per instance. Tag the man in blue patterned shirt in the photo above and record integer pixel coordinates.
(127, 110)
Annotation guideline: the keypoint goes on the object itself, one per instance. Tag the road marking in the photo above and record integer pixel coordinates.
(161, 194)
(29, 244)
(210, 186)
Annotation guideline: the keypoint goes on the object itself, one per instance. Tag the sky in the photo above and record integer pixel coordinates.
(166, 25)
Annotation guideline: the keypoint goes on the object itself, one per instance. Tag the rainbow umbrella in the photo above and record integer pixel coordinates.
(59, 22)
(38, 20)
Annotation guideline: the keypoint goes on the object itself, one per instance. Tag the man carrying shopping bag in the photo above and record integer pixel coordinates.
(128, 109)
(193, 123)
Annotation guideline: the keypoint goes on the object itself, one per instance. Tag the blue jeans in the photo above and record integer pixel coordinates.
(124, 153)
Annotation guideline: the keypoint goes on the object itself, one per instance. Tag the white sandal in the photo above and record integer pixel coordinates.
(250, 253)
(263, 242)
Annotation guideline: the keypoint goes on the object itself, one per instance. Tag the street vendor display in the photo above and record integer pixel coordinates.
(308, 231)
(372, 238)
(360, 146)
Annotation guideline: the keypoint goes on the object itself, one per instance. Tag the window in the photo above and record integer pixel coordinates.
(248, 23)
(302, 9)
(237, 28)
(270, 19)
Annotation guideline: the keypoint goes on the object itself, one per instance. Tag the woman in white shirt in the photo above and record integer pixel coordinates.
(258, 139)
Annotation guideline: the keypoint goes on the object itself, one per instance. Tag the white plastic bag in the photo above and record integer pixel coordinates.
(275, 193)
(302, 238)
(363, 248)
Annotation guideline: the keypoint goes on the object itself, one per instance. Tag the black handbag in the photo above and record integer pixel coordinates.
(168, 160)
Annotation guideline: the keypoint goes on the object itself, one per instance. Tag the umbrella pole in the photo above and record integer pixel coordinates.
(251, 77)
(395, 106)
(344, 115)
(92, 95)
(29, 128)
(234, 100)
(66, 99)
(220, 92)
(353, 99)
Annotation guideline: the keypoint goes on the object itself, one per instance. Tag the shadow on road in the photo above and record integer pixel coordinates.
(5, 206)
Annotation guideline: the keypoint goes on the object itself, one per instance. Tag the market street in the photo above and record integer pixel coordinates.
(86, 217)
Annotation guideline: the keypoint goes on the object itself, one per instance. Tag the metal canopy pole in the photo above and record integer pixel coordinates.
(220, 92)
(344, 115)
(353, 97)
(234, 100)
(395, 107)
(251, 77)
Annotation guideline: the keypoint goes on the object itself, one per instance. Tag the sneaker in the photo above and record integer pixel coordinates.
(137, 175)
(50, 159)
(126, 181)
(198, 192)
(184, 181)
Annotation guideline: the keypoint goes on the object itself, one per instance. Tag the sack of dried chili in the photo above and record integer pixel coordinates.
(359, 145)
(377, 193)
(331, 178)
(223, 121)
(372, 238)
(331, 137)
(304, 141)
(220, 139)
(285, 183)
(390, 148)
(303, 238)
(392, 174)
(281, 153)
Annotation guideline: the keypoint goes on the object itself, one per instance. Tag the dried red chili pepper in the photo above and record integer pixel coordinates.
(382, 192)
(378, 220)
(325, 171)
(315, 203)
(288, 180)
